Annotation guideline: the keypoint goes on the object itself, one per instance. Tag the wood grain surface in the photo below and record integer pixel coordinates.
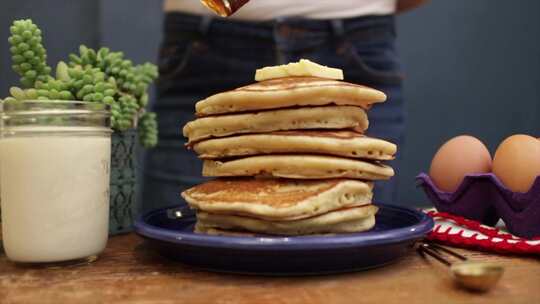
(129, 272)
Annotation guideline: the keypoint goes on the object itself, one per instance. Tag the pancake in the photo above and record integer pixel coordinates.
(277, 199)
(298, 166)
(239, 233)
(340, 221)
(340, 143)
(331, 117)
(289, 92)
(348, 227)
(222, 232)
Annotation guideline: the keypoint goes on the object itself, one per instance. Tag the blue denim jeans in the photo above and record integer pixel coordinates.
(201, 56)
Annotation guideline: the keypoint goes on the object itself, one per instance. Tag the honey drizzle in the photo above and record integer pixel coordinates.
(224, 8)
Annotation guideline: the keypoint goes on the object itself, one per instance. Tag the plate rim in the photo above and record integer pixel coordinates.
(275, 243)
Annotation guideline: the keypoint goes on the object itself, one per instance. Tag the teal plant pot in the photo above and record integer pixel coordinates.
(123, 190)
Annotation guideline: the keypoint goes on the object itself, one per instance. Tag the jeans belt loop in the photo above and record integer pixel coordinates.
(204, 25)
(337, 27)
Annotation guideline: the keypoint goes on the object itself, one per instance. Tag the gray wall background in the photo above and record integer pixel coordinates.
(471, 66)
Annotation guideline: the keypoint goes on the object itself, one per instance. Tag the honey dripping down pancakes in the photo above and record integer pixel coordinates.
(288, 155)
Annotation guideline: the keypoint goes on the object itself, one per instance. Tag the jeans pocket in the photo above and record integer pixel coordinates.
(374, 66)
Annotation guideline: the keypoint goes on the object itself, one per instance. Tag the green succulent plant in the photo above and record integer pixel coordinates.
(101, 76)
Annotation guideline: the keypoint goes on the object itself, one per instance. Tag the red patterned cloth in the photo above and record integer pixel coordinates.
(457, 231)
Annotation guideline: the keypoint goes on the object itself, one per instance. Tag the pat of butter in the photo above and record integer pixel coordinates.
(302, 68)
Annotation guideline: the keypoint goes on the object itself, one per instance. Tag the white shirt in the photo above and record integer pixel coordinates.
(313, 9)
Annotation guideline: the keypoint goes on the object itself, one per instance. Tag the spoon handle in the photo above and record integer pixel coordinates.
(450, 252)
(425, 248)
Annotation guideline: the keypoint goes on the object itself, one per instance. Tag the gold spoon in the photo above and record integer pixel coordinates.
(471, 275)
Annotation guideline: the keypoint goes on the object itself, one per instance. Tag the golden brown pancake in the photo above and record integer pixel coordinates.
(340, 221)
(298, 166)
(330, 117)
(277, 199)
(339, 143)
(289, 92)
(222, 232)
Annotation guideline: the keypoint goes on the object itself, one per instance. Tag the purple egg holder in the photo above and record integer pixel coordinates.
(483, 198)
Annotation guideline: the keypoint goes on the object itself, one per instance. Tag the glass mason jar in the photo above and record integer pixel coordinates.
(54, 180)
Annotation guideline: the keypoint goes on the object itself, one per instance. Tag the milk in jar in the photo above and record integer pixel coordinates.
(54, 181)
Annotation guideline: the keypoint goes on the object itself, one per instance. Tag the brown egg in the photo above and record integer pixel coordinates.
(517, 162)
(458, 157)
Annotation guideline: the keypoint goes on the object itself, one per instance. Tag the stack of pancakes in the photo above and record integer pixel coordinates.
(290, 157)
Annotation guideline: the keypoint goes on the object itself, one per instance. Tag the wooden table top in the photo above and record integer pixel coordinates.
(129, 272)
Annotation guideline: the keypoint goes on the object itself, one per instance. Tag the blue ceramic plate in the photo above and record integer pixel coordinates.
(396, 230)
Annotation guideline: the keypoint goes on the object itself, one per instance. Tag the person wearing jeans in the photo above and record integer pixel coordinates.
(202, 55)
